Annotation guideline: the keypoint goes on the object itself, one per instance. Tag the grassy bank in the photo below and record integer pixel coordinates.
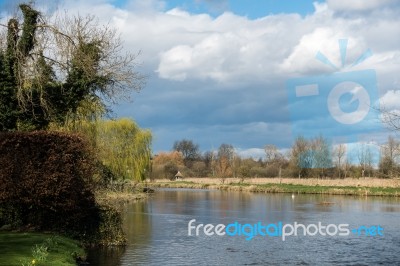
(117, 198)
(38, 249)
(281, 187)
(118, 193)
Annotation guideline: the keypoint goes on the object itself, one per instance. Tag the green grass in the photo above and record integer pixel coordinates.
(290, 188)
(45, 249)
(341, 190)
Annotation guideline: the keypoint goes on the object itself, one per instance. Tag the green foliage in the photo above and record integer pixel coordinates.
(18, 249)
(8, 98)
(122, 147)
(37, 91)
(110, 230)
(40, 252)
(170, 170)
(26, 41)
(13, 58)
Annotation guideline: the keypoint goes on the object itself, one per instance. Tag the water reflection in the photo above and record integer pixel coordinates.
(157, 229)
(106, 256)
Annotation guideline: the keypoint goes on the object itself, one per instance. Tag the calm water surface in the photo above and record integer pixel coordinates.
(157, 230)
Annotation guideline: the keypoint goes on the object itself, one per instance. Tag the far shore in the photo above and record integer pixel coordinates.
(348, 186)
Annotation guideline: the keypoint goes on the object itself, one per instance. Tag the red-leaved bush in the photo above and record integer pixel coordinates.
(45, 182)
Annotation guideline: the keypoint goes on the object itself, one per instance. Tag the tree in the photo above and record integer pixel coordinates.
(208, 158)
(274, 160)
(390, 153)
(210, 161)
(169, 157)
(226, 151)
(12, 53)
(391, 118)
(301, 157)
(124, 148)
(167, 164)
(226, 154)
(321, 155)
(189, 150)
(346, 167)
(50, 68)
(272, 154)
(199, 168)
(365, 159)
(311, 156)
(339, 153)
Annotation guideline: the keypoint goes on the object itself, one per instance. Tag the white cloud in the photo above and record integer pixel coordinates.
(302, 59)
(390, 100)
(231, 48)
(358, 5)
(179, 61)
(254, 153)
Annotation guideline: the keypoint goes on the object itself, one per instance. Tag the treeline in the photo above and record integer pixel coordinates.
(307, 158)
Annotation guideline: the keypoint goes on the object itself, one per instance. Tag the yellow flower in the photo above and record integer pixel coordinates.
(33, 262)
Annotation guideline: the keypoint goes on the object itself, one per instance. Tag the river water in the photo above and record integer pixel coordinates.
(157, 230)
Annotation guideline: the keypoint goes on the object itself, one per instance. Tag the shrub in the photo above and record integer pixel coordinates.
(45, 182)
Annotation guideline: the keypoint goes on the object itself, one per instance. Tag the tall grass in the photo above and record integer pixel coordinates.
(352, 182)
(302, 186)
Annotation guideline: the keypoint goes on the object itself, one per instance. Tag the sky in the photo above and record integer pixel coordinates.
(228, 71)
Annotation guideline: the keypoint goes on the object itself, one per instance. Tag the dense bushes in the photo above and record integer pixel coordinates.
(45, 182)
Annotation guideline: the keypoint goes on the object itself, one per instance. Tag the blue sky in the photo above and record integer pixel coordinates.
(251, 9)
(218, 70)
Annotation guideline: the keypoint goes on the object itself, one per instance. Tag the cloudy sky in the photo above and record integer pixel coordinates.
(218, 71)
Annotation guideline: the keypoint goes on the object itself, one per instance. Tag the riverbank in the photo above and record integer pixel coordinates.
(360, 187)
(38, 249)
(118, 193)
(117, 198)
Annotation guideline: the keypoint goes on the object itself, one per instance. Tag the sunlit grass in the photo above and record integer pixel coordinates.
(38, 249)
(360, 187)
(354, 182)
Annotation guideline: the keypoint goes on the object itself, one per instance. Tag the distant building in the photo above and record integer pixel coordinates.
(178, 176)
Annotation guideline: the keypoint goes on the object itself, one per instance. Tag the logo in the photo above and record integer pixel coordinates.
(339, 105)
(281, 230)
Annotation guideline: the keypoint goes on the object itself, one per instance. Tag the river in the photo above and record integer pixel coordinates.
(157, 230)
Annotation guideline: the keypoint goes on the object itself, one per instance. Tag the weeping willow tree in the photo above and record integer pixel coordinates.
(124, 148)
(120, 145)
